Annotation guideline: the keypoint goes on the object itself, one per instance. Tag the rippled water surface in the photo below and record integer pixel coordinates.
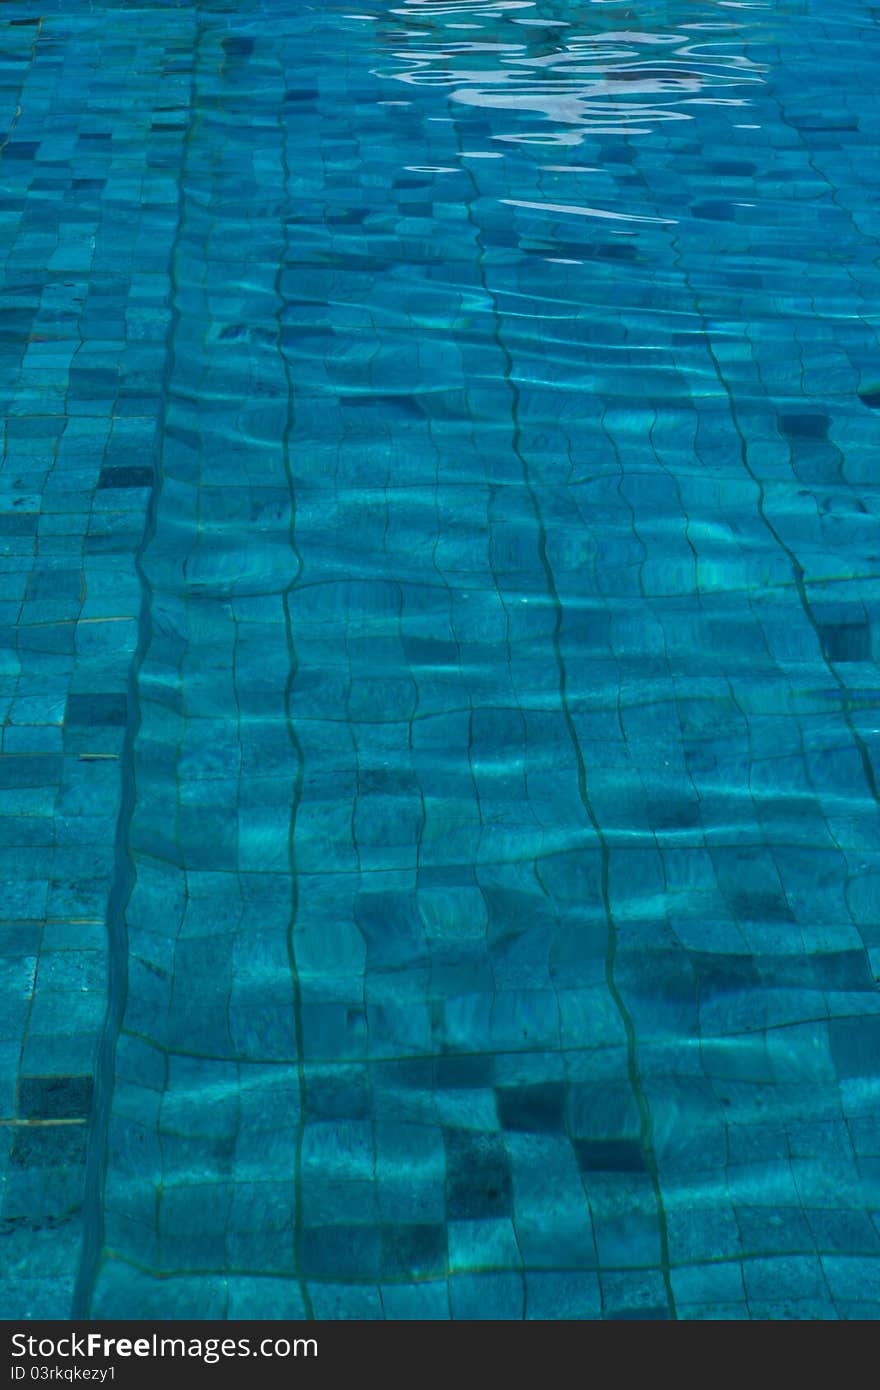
(438, 798)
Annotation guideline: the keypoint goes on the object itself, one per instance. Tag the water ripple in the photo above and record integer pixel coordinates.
(577, 79)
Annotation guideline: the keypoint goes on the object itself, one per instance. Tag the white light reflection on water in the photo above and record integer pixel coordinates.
(572, 71)
(577, 211)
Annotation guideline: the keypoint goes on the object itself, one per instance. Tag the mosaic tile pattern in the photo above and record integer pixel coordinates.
(89, 196)
(441, 676)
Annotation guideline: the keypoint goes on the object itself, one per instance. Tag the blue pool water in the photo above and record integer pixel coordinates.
(440, 622)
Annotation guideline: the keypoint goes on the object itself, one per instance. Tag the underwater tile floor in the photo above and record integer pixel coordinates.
(439, 850)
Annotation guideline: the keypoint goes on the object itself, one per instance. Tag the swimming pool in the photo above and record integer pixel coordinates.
(438, 788)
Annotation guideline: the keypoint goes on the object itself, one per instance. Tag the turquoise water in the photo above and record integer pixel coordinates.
(438, 791)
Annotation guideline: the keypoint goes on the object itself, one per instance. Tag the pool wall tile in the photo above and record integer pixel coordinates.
(438, 782)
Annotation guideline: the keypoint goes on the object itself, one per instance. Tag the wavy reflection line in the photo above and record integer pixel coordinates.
(576, 211)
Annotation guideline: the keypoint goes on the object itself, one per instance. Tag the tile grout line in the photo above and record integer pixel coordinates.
(645, 1119)
(125, 876)
(293, 667)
